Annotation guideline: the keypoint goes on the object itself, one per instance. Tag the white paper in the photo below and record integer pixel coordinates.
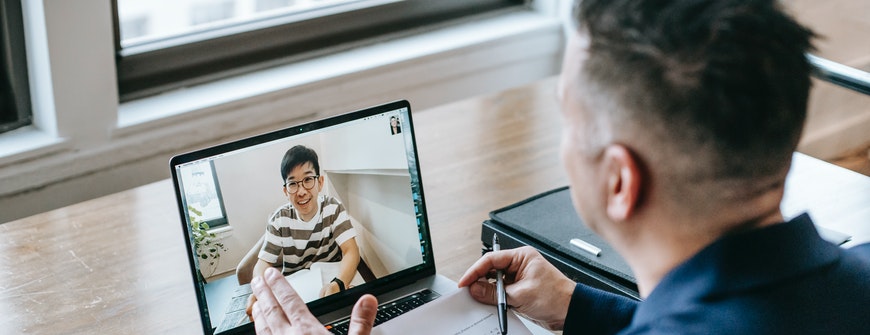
(329, 270)
(307, 284)
(454, 314)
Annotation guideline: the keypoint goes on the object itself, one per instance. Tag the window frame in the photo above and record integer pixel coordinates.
(200, 57)
(212, 222)
(15, 104)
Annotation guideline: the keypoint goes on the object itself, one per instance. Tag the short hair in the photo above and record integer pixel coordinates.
(297, 156)
(726, 78)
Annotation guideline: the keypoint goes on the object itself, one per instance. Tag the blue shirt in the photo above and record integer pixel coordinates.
(781, 279)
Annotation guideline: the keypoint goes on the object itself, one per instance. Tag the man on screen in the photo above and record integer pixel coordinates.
(395, 126)
(310, 227)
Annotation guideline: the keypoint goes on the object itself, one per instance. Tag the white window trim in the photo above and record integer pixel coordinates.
(83, 136)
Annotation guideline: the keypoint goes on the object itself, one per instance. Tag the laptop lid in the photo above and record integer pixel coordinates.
(230, 195)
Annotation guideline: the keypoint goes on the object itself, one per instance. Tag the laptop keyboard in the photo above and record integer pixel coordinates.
(389, 310)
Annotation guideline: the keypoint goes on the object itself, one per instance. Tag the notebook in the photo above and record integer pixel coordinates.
(227, 195)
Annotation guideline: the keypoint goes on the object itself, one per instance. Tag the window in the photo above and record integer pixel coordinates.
(204, 12)
(266, 5)
(198, 40)
(202, 194)
(14, 87)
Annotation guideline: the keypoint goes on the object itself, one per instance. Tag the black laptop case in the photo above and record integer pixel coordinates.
(548, 222)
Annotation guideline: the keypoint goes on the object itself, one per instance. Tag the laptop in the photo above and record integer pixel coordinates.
(229, 194)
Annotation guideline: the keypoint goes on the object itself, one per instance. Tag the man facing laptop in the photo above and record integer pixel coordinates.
(680, 122)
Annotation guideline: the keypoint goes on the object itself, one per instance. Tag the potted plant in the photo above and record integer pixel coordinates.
(207, 246)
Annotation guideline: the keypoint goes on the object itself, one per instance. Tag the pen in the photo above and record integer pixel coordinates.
(588, 247)
(499, 286)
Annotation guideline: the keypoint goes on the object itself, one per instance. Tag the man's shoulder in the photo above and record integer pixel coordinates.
(284, 211)
(794, 312)
(329, 200)
(330, 206)
(855, 262)
(861, 251)
(786, 301)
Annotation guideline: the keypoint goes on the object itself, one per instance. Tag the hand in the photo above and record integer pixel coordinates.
(328, 289)
(534, 287)
(279, 310)
(250, 308)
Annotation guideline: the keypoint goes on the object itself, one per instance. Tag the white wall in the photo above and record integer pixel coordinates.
(369, 169)
(382, 205)
(369, 145)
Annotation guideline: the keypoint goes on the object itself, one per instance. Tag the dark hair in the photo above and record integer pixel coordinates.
(297, 156)
(726, 76)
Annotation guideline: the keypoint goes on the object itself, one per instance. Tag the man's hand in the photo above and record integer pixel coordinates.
(259, 268)
(329, 289)
(535, 288)
(279, 310)
(250, 307)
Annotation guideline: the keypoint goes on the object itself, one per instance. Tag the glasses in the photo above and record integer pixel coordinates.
(307, 183)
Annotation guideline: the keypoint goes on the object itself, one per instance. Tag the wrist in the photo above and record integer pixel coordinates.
(340, 283)
(563, 301)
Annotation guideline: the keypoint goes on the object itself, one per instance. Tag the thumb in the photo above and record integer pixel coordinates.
(362, 319)
(483, 291)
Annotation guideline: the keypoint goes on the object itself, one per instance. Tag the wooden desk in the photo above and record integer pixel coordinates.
(117, 264)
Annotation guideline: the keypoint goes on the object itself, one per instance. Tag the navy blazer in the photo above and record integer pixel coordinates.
(781, 279)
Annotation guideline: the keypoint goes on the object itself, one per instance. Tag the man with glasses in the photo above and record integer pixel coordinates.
(310, 227)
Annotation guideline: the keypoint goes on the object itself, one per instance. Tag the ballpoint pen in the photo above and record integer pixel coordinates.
(499, 286)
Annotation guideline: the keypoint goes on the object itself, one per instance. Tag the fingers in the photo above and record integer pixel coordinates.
(293, 306)
(480, 268)
(268, 314)
(250, 308)
(362, 319)
(508, 260)
(483, 291)
(260, 324)
(278, 306)
(526, 273)
(329, 289)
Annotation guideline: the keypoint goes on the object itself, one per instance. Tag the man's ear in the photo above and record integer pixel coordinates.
(320, 183)
(623, 181)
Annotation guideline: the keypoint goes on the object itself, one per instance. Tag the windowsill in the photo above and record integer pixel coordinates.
(222, 232)
(150, 112)
(28, 143)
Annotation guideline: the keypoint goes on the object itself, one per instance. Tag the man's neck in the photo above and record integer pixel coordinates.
(313, 214)
(663, 249)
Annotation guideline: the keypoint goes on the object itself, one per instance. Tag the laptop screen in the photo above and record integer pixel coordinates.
(314, 201)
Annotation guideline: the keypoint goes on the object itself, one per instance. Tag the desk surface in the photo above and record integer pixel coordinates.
(117, 264)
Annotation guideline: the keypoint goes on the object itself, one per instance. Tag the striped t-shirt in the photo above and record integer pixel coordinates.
(303, 243)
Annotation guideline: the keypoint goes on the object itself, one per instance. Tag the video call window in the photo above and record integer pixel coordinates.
(364, 167)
